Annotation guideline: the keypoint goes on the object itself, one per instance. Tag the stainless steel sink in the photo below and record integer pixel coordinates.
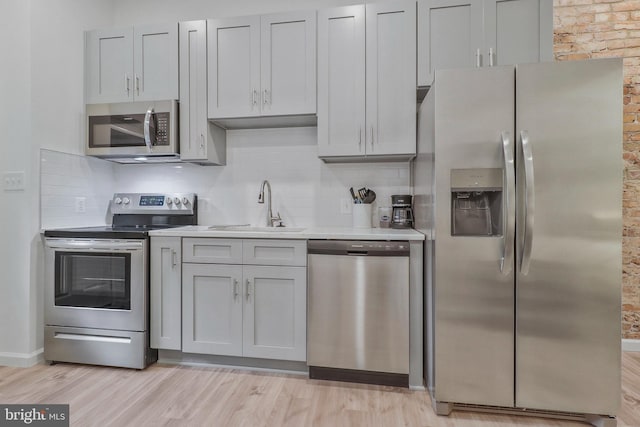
(251, 229)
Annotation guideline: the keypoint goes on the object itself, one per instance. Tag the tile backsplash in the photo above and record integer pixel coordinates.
(67, 182)
(306, 191)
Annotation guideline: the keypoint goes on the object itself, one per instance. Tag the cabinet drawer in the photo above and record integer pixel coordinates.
(275, 252)
(212, 251)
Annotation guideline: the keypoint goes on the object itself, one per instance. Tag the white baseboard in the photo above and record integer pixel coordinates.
(22, 360)
(630, 345)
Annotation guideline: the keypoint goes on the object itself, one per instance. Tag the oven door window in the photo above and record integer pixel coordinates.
(96, 280)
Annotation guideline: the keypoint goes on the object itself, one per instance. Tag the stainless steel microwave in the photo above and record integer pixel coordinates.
(133, 132)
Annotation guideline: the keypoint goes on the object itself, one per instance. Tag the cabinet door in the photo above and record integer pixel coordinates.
(449, 36)
(234, 67)
(341, 81)
(518, 31)
(288, 65)
(212, 309)
(275, 319)
(109, 65)
(165, 293)
(193, 90)
(391, 78)
(155, 63)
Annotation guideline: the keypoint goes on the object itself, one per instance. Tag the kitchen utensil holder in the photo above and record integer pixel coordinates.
(362, 215)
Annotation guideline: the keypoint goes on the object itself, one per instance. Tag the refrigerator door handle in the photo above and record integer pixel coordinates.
(529, 202)
(506, 263)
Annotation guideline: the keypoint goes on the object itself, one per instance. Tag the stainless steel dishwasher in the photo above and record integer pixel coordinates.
(358, 311)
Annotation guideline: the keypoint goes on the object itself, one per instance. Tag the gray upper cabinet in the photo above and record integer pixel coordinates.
(476, 33)
(518, 31)
(200, 141)
(109, 65)
(132, 64)
(367, 82)
(262, 66)
(449, 35)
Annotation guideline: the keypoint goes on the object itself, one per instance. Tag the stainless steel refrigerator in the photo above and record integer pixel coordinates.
(518, 184)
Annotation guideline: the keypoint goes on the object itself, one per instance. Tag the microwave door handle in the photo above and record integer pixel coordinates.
(148, 132)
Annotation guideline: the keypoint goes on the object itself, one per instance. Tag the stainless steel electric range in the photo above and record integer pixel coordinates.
(97, 282)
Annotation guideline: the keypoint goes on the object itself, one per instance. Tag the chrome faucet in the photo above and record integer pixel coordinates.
(271, 220)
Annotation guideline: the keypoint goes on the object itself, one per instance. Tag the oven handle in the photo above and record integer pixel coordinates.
(131, 245)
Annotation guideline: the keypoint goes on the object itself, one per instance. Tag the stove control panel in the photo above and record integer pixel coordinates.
(154, 203)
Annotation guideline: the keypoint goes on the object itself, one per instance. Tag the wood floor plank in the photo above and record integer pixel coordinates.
(169, 395)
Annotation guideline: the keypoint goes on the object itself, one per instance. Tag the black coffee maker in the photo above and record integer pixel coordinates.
(402, 215)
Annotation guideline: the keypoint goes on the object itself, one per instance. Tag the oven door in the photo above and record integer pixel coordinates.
(93, 283)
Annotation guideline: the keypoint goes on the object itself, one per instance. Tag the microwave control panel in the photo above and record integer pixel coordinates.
(162, 131)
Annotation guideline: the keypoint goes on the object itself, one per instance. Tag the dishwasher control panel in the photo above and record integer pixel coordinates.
(358, 247)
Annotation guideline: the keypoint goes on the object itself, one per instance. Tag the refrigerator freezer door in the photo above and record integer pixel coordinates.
(474, 315)
(568, 239)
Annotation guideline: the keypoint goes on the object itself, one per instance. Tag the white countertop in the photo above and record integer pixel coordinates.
(336, 233)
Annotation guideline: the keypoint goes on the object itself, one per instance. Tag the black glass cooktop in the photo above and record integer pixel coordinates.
(105, 232)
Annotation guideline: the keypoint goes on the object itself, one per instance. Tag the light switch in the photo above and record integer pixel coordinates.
(13, 181)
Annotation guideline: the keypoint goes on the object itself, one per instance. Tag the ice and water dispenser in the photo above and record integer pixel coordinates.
(476, 202)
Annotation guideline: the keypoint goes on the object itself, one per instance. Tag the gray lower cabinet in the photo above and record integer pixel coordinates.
(476, 33)
(237, 305)
(165, 293)
(275, 312)
(212, 309)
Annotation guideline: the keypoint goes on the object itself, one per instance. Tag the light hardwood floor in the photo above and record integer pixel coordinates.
(164, 395)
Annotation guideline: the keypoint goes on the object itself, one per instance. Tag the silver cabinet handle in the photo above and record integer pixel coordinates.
(174, 259)
(360, 139)
(248, 289)
(371, 138)
(265, 99)
(478, 64)
(529, 202)
(236, 291)
(137, 84)
(506, 263)
(255, 97)
(202, 140)
(126, 83)
(491, 56)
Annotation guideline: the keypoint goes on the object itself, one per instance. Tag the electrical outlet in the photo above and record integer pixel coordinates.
(345, 206)
(81, 205)
(13, 181)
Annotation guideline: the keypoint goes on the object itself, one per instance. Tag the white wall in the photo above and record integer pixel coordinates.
(15, 140)
(129, 12)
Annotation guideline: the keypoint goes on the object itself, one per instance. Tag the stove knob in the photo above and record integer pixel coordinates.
(176, 201)
(117, 201)
(185, 201)
(169, 201)
(126, 201)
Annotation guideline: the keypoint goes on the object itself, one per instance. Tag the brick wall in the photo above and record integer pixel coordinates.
(611, 28)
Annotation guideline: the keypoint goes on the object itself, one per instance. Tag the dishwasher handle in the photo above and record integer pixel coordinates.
(358, 248)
